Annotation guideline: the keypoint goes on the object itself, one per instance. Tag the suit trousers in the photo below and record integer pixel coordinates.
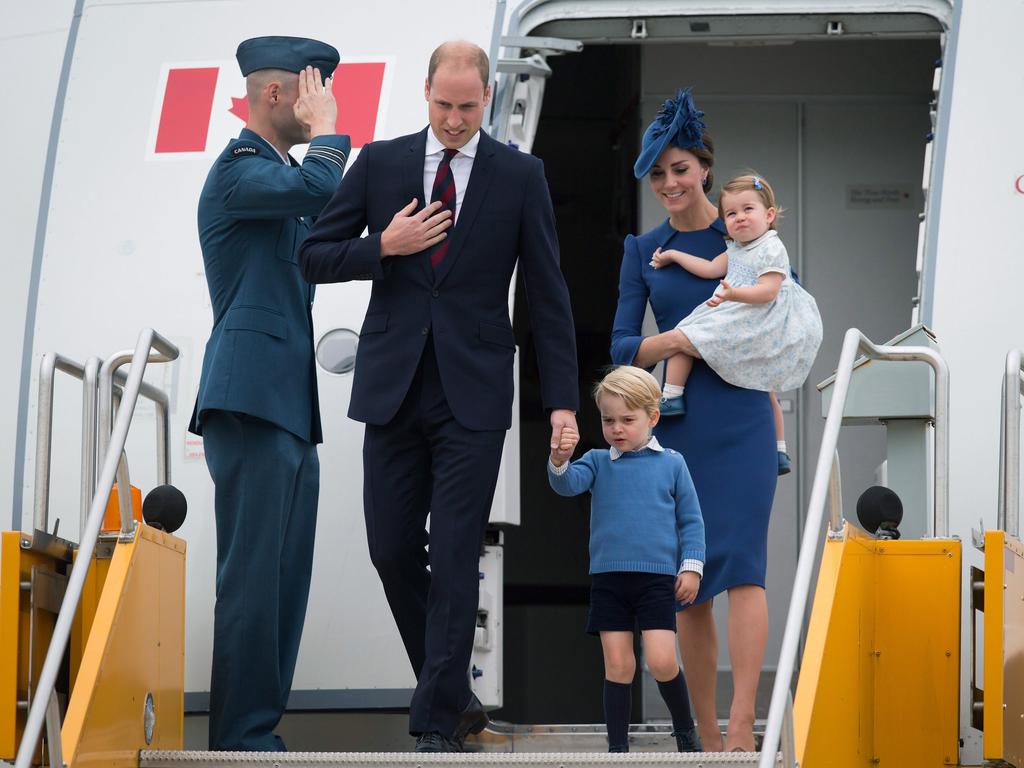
(423, 461)
(267, 482)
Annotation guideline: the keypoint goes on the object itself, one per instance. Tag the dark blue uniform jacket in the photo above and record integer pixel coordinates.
(253, 214)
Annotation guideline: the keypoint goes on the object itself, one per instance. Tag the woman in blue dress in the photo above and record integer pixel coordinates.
(728, 434)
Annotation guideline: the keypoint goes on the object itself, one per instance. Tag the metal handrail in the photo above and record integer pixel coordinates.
(853, 342)
(148, 340)
(90, 385)
(110, 376)
(48, 366)
(788, 737)
(1009, 444)
(835, 498)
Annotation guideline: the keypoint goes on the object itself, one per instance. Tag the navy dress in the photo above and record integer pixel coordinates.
(728, 434)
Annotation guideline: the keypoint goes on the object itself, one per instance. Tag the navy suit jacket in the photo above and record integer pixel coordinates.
(259, 359)
(463, 304)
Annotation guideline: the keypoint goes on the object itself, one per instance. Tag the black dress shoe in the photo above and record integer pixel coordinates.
(472, 720)
(688, 741)
(435, 742)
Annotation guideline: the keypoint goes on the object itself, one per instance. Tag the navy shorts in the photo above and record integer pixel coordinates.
(620, 601)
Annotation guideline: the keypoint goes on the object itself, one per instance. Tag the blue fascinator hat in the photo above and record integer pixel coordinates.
(678, 123)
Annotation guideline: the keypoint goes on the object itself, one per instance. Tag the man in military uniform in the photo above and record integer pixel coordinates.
(257, 408)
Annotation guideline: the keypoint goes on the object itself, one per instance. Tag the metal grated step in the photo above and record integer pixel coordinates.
(464, 760)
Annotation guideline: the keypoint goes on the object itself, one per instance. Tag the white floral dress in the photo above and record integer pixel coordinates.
(758, 346)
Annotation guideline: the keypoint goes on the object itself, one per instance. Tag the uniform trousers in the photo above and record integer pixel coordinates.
(423, 461)
(267, 483)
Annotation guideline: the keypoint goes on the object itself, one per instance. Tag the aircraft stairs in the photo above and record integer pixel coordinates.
(92, 634)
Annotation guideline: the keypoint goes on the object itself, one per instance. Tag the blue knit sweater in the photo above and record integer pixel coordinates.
(644, 514)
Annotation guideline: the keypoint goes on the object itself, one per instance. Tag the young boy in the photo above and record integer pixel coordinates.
(646, 546)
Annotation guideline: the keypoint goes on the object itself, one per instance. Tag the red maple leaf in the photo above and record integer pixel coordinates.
(240, 108)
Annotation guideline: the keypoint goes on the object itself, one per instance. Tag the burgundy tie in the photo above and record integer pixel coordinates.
(444, 190)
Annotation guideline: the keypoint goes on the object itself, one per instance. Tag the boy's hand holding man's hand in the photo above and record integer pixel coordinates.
(561, 451)
(687, 586)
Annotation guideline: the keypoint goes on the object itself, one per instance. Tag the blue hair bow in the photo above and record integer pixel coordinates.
(678, 123)
(757, 183)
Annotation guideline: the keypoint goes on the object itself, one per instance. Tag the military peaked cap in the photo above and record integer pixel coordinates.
(292, 54)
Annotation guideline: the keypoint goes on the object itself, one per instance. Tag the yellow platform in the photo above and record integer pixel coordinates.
(879, 683)
(128, 694)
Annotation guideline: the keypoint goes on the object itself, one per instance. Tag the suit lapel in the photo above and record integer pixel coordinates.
(476, 191)
(412, 168)
(412, 182)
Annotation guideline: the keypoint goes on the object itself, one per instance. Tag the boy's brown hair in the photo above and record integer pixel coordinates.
(636, 387)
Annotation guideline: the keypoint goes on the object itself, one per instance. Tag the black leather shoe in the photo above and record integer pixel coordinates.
(472, 720)
(435, 742)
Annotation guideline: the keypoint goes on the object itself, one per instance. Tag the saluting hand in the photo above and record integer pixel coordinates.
(411, 232)
(315, 108)
(561, 450)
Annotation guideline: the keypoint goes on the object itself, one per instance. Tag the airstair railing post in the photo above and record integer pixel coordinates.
(44, 425)
(106, 421)
(53, 743)
(111, 380)
(835, 498)
(788, 747)
(1009, 445)
(492, 78)
(163, 441)
(48, 365)
(940, 526)
(90, 387)
(164, 352)
(853, 343)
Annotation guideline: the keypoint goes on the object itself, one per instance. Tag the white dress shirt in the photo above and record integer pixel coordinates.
(461, 164)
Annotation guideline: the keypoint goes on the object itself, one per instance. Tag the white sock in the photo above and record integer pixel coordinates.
(781, 445)
(672, 390)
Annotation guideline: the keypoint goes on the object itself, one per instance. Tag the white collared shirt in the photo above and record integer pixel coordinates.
(653, 444)
(284, 158)
(461, 164)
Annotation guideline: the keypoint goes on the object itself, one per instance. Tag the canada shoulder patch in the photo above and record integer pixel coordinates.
(243, 150)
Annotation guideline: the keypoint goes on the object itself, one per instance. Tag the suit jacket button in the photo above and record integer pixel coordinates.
(435, 293)
(425, 330)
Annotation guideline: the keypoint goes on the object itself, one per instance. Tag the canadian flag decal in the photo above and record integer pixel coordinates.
(185, 115)
(201, 105)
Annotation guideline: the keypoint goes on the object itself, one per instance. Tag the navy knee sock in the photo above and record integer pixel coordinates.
(677, 698)
(618, 698)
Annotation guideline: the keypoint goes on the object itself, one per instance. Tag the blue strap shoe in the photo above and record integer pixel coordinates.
(784, 464)
(673, 406)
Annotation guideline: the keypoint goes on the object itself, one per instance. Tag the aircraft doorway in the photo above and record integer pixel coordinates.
(587, 139)
(840, 127)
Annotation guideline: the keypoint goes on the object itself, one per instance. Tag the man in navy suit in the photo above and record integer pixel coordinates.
(433, 377)
(257, 407)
